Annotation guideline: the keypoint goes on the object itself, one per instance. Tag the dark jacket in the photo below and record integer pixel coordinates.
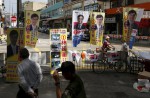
(10, 51)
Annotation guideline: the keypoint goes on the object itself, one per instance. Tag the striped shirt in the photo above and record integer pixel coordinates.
(30, 75)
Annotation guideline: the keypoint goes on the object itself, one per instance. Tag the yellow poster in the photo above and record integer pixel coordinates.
(96, 28)
(130, 18)
(15, 41)
(58, 45)
(31, 27)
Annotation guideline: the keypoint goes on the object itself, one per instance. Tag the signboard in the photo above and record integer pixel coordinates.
(131, 19)
(13, 18)
(15, 41)
(58, 45)
(31, 27)
(96, 28)
(79, 26)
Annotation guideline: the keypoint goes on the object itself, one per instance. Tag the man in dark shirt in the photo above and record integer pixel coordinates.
(75, 88)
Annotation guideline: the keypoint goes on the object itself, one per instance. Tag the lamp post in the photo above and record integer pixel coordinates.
(18, 2)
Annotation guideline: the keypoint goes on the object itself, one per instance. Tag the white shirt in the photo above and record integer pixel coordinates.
(30, 75)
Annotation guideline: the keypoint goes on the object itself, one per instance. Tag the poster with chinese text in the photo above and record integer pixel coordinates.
(96, 28)
(31, 28)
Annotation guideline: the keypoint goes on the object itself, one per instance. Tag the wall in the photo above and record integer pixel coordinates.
(38, 5)
(141, 1)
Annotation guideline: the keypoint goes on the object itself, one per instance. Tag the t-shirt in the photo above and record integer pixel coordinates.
(75, 89)
(105, 45)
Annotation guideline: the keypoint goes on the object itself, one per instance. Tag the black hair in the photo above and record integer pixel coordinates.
(132, 11)
(99, 16)
(80, 16)
(24, 53)
(34, 15)
(13, 32)
(68, 66)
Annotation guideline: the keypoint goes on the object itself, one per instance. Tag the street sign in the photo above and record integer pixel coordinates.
(13, 18)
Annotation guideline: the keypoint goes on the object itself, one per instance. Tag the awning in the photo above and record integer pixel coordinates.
(145, 6)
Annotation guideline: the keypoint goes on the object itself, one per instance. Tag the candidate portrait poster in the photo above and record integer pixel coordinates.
(79, 26)
(31, 27)
(58, 45)
(96, 28)
(131, 19)
(15, 41)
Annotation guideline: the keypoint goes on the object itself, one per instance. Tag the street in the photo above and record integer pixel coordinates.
(106, 85)
(43, 44)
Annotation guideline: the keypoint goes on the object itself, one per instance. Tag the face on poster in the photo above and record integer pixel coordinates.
(31, 27)
(131, 16)
(15, 41)
(79, 24)
(97, 28)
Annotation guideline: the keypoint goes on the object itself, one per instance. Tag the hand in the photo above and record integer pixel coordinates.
(56, 76)
(32, 95)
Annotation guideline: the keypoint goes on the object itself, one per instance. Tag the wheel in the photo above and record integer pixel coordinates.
(98, 67)
(120, 66)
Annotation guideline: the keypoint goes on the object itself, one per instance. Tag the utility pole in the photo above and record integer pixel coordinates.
(18, 2)
(83, 5)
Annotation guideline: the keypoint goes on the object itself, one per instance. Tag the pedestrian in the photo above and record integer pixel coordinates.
(30, 75)
(75, 88)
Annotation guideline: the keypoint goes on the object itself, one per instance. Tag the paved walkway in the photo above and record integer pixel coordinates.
(106, 85)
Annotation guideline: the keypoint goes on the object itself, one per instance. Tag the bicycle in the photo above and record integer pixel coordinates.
(109, 60)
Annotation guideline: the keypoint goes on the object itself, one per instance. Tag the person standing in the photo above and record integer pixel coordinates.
(30, 75)
(75, 88)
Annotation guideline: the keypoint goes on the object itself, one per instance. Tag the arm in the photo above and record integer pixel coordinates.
(39, 76)
(57, 84)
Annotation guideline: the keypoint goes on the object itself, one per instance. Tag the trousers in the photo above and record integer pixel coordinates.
(22, 94)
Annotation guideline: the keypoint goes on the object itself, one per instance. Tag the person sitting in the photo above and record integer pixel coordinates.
(107, 45)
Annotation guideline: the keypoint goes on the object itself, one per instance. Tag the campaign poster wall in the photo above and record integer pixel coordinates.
(31, 27)
(79, 26)
(58, 45)
(131, 19)
(96, 28)
(15, 41)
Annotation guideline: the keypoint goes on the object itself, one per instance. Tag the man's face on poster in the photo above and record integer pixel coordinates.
(34, 21)
(80, 19)
(99, 20)
(131, 16)
(13, 39)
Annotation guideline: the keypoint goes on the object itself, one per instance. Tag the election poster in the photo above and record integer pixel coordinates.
(96, 28)
(79, 26)
(15, 41)
(31, 27)
(58, 45)
(131, 19)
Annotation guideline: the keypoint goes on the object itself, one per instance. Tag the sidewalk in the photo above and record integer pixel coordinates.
(106, 85)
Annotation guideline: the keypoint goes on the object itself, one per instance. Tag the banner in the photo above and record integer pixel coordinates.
(79, 26)
(131, 19)
(58, 45)
(96, 28)
(31, 28)
(15, 41)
